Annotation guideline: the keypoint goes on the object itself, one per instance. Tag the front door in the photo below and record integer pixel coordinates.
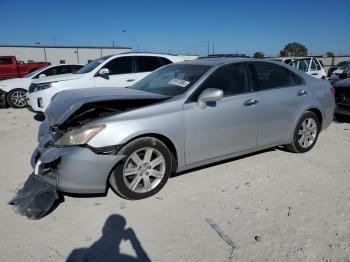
(226, 126)
(121, 73)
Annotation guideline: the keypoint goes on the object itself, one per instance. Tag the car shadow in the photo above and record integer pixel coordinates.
(340, 119)
(107, 247)
(229, 160)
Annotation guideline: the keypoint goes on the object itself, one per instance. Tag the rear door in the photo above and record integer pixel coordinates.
(8, 67)
(316, 69)
(227, 126)
(147, 64)
(121, 73)
(282, 95)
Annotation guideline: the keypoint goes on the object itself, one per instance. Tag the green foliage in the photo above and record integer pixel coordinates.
(330, 54)
(294, 49)
(283, 53)
(259, 55)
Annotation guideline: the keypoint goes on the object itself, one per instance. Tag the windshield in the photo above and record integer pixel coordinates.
(343, 65)
(302, 64)
(92, 65)
(171, 80)
(35, 72)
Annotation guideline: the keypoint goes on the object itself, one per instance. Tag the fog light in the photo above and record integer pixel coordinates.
(40, 102)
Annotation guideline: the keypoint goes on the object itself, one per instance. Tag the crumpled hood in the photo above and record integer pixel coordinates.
(64, 104)
(57, 78)
(13, 83)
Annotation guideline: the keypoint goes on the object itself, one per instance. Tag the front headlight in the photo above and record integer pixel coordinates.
(80, 136)
(42, 86)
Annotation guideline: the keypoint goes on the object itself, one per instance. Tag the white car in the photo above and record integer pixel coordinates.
(311, 66)
(13, 91)
(284, 60)
(121, 70)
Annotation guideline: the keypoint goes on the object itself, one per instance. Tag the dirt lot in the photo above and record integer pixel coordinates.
(274, 206)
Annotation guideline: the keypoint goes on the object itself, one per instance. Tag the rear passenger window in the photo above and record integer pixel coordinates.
(233, 79)
(5, 61)
(274, 76)
(315, 65)
(149, 63)
(121, 65)
(73, 68)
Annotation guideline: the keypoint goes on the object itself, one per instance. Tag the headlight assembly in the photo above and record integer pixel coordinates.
(80, 136)
(42, 86)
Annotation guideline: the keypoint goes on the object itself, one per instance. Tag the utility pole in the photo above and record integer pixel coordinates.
(113, 43)
(213, 47)
(208, 48)
(77, 52)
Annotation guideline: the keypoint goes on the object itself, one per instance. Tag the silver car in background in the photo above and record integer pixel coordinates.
(181, 116)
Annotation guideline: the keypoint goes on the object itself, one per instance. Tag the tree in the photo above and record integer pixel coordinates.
(259, 55)
(295, 49)
(283, 53)
(330, 54)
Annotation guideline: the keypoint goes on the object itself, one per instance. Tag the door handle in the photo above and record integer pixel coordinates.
(301, 93)
(250, 102)
(130, 80)
(314, 74)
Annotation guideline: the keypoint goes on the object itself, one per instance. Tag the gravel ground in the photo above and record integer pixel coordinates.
(273, 205)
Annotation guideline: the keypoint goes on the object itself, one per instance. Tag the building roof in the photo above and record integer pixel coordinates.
(67, 46)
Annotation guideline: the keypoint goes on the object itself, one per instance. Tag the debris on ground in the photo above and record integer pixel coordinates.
(257, 238)
(36, 199)
(222, 235)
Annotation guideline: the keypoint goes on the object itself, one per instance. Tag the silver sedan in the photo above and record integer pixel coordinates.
(181, 116)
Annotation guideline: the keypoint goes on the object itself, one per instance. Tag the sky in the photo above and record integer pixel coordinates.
(180, 27)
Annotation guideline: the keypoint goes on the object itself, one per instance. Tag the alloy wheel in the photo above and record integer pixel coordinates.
(144, 170)
(18, 98)
(307, 132)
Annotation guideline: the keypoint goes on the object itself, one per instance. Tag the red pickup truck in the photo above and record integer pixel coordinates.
(10, 67)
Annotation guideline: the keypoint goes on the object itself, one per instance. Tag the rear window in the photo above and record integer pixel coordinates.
(5, 61)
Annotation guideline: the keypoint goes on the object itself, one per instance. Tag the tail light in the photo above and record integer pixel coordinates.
(333, 90)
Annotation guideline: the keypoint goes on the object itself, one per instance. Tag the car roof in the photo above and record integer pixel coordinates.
(222, 61)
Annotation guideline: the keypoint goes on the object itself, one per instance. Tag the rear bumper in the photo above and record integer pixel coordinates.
(75, 169)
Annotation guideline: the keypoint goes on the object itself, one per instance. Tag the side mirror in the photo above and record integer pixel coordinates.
(42, 75)
(209, 95)
(103, 71)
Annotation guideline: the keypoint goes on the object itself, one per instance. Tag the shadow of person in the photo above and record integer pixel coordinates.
(106, 249)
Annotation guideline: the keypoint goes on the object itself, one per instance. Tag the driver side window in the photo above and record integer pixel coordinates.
(233, 79)
(120, 65)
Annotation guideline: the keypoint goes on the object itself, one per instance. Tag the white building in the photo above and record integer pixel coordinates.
(59, 54)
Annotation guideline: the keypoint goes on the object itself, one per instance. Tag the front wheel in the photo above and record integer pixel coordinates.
(144, 170)
(16, 98)
(305, 134)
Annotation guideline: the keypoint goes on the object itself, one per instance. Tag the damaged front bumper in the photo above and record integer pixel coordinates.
(74, 169)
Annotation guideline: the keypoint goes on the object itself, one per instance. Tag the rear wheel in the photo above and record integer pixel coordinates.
(16, 98)
(305, 134)
(144, 170)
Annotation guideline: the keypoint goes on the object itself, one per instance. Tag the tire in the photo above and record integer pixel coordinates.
(16, 98)
(144, 170)
(308, 127)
